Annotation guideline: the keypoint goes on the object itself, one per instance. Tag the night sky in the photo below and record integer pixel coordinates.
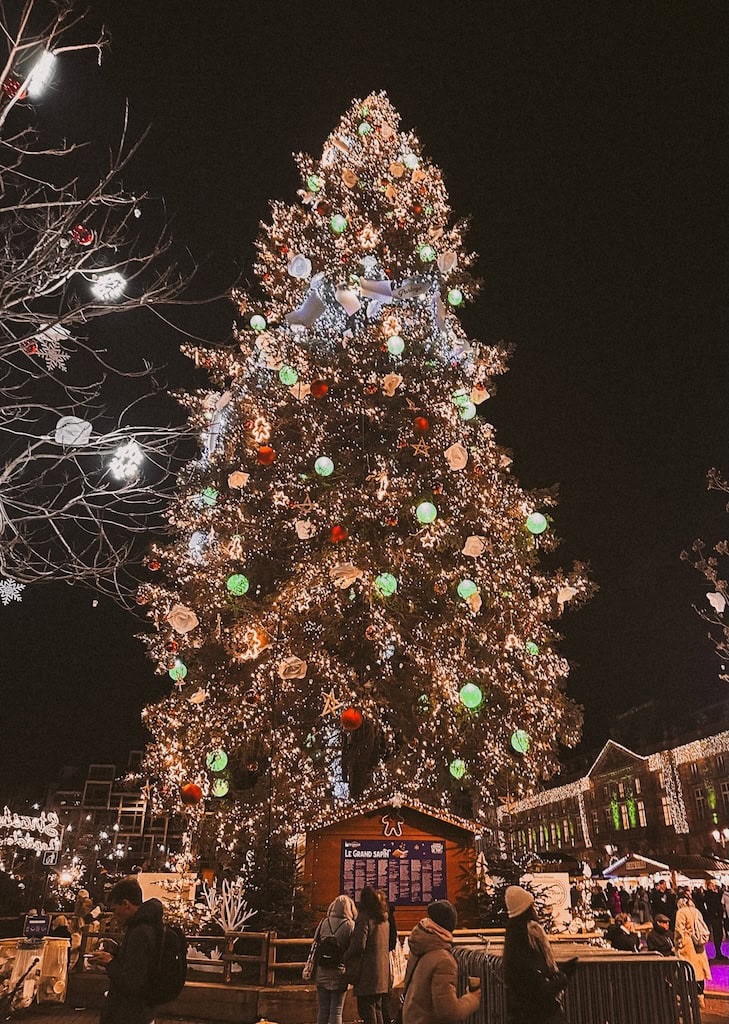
(589, 144)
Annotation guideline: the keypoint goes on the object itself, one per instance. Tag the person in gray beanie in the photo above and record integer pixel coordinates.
(430, 981)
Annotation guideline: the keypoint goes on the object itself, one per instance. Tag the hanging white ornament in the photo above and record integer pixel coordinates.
(456, 456)
(299, 266)
(292, 668)
(345, 574)
(238, 479)
(300, 390)
(413, 288)
(182, 619)
(381, 291)
(305, 529)
(198, 696)
(307, 313)
(474, 546)
(565, 594)
(348, 300)
(70, 430)
(391, 383)
(717, 602)
(446, 262)
(474, 602)
(479, 395)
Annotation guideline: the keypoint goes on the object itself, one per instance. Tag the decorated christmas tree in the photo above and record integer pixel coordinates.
(352, 609)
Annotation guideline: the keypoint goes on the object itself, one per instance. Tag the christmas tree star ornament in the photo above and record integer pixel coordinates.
(331, 704)
(421, 448)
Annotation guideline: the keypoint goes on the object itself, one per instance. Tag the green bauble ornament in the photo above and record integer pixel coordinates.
(531, 648)
(426, 512)
(386, 583)
(338, 223)
(217, 760)
(467, 410)
(426, 253)
(536, 523)
(220, 787)
(466, 589)
(210, 496)
(314, 183)
(395, 345)
(288, 375)
(364, 128)
(258, 322)
(457, 768)
(238, 584)
(411, 161)
(324, 466)
(455, 297)
(520, 741)
(460, 397)
(471, 696)
(178, 670)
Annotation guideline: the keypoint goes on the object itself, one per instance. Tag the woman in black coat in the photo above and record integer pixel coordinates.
(534, 982)
(367, 958)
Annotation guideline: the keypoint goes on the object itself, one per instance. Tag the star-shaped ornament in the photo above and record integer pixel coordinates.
(411, 405)
(421, 448)
(306, 506)
(331, 704)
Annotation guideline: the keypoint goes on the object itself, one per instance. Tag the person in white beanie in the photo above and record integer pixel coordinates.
(534, 982)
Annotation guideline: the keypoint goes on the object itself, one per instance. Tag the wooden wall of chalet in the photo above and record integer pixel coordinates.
(322, 863)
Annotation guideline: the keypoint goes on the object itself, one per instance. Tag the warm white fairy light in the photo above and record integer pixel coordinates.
(110, 286)
(127, 460)
(41, 74)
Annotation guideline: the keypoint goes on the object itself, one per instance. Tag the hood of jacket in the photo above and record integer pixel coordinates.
(343, 908)
(150, 912)
(424, 938)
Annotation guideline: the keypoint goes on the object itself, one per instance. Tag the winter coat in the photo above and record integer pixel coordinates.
(626, 942)
(131, 969)
(535, 996)
(339, 922)
(685, 949)
(712, 902)
(368, 955)
(659, 941)
(431, 979)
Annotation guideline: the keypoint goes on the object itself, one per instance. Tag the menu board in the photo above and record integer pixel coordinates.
(409, 871)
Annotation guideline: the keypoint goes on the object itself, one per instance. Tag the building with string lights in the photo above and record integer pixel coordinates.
(671, 805)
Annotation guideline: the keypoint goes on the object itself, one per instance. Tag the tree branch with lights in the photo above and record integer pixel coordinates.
(354, 607)
(709, 564)
(80, 480)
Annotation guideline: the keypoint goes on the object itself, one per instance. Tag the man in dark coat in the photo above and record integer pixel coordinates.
(663, 901)
(713, 911)
(622, 936)
(130, 967)
(659, 939)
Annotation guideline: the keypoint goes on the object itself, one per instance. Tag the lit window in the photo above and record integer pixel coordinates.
(641, 814)
(725, 796)
(700, 803)
(667, 816)
(637, 785)
(624, 816)
(661, 780)
(621, 790)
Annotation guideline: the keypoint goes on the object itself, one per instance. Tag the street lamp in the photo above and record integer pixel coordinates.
(720, 837)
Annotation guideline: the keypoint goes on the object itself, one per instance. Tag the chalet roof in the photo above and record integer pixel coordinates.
(622, 868)
(613, 757)
(395, 802)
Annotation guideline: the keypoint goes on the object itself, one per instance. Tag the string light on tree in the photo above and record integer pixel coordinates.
(108, 287)
(127, 460)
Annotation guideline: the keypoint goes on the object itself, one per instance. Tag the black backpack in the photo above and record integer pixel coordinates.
(330, 952)
(168, 979)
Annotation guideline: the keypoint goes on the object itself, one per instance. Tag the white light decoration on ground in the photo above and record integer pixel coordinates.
(127, 460)
(41, 74)
(107, 287)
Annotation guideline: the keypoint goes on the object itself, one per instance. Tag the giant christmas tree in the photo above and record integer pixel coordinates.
(352, 608)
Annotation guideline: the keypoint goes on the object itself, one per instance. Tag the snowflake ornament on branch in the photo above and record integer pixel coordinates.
(227, 906)
(10, 590)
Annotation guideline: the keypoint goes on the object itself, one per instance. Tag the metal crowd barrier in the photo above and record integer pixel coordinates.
(606, 988)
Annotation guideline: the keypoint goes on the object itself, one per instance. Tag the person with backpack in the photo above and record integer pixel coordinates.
(691, 937)
(432, 974)
(368, 957)
(149, 967)
(332, 937)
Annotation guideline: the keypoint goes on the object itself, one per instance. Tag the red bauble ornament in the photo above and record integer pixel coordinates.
(319, 388)
(370, 632)
(82, 235)
(338, 533)
(30, 348)
(171, 646)
(351, 719)
(141, 599)
(266, 455)
(391, 521)
(190, 793)
(284, 249)
(154, 565)
(11, 88)
(420, 424)
(417, 208)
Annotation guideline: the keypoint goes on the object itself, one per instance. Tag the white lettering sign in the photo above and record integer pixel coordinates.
(39, 833)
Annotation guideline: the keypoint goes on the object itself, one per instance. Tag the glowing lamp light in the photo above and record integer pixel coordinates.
(258, 322)
(467, 410)
(237, 584)
(288, 375)
(531, 648)
(324, 466)
(426, 512)
(466, 589)
(395, 345)
(520, 741)
(178, 670)
(41, 74)
(190, 793)
(107, 287)
(455, 297)
(426, 253)
(386, 583)
(127, 460)
(314, 183)
(457, 768)
(339, 223)
(220, 787)
(351, 719)
(471, 696)
(536, 523)
(217, 760)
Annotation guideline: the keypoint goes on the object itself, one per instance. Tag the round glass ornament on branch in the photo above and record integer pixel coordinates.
(455, 297)
(426, 253)
(386, 583)
(467, 410)
(471, 696)
(217, 760)
(220, 787)
(466, 589)
(190, 793)
(351, 719)
(395, 345)
(265, 455)
(536, 523)
(82, 235)
(288, 376)
(324, 466)
(426, 512)
(520, 741)
(258, 322)
(319, 388)
(237, 584)
(314, 182)
(338, 534)
(177, 671)
(457, 768)
(531, 648)
(420, 425)
(338, 223)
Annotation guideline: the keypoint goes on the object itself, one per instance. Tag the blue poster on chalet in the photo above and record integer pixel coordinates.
(410, 871)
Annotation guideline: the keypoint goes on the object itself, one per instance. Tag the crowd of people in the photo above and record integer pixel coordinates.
(680, 923)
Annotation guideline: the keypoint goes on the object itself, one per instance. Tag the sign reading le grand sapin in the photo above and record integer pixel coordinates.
(39, 833)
